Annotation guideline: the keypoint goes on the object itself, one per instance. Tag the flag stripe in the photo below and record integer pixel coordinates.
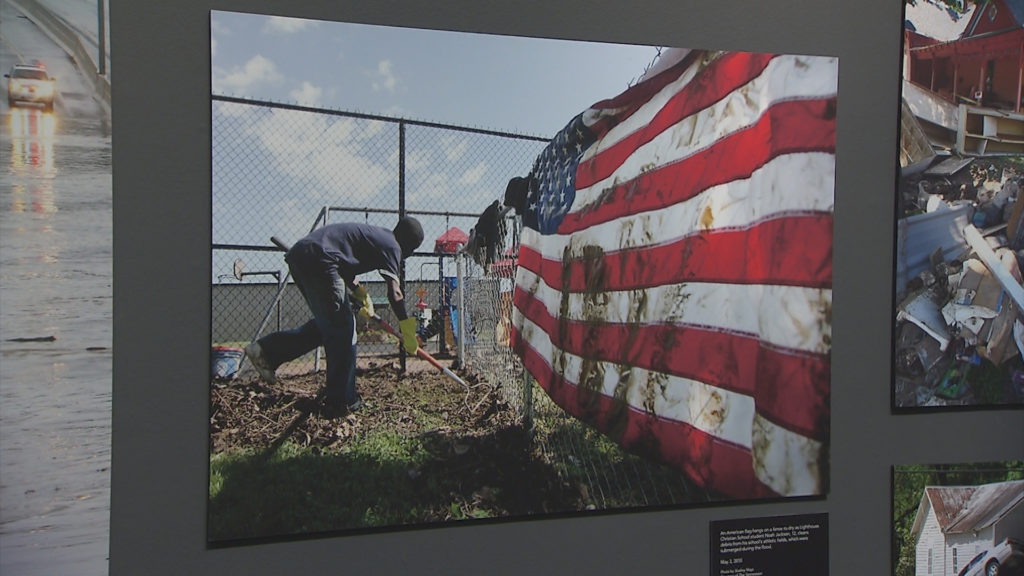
(795, 251)
(788, 463)
(695, 125)
(711, 462)
(608, 113)
(786, 128)
(726, 74)
(786, 185)
(791, 389)
(785, 317)
(725, 413)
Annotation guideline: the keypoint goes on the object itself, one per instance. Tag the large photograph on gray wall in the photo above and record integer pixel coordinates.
(960, 231)
(460, 277)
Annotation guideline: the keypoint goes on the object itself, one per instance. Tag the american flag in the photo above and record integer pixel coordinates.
(674, 287)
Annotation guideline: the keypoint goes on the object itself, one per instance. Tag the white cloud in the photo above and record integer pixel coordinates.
(417, 160)
(324, 154)
(386, 78)
(307, 94)
(473, 175)
(434, 189)
(372, 129)
(258, 70)
(285, 25)
(217, 28)
(454, 149)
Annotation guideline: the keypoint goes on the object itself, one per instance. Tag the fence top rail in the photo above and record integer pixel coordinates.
(364, 116)
(408, 212)
(272, 248)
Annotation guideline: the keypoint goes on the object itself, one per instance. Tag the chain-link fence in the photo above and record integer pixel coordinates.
(604, 474)
(284, 170)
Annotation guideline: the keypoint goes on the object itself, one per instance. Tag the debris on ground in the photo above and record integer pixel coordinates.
(248, 414)
(474, 435)
(959, 330)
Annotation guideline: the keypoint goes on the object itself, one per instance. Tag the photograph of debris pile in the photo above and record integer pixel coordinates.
(960, 217)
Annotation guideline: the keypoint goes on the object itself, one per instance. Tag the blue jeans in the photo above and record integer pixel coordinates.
(333, 326)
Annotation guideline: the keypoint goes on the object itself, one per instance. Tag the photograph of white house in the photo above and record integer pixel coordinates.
(968, 529)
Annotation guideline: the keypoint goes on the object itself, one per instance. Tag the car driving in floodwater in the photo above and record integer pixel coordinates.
(30, 83)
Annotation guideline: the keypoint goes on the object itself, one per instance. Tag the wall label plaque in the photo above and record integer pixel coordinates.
(770, 546)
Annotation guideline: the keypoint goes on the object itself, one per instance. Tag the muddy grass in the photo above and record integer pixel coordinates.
(423, 449)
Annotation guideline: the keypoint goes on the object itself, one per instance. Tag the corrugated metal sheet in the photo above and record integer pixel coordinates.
(961, 509)
(921, 234)
(948, 502)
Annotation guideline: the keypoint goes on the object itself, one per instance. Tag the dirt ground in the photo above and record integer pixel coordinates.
(480, 438)
(247, 413)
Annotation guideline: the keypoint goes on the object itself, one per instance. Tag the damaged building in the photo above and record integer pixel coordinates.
(960, 236)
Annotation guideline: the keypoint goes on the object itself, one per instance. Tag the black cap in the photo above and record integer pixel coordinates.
(516, 191)
(409, 234)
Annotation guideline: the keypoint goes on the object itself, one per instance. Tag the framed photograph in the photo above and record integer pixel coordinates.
(958, 294)
(958, 519)
(616, 293)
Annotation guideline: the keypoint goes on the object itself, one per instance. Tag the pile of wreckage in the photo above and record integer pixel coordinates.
(958, 283)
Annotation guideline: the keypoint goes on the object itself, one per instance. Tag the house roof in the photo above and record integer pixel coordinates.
(1017, 9)
(1001, 16)
(936, 20)
(960, 509)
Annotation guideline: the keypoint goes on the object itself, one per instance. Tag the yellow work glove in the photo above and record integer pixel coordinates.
(364, 305)
(408, 327)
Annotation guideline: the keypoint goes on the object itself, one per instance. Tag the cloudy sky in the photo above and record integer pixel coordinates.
(525, 85)
(274, 169)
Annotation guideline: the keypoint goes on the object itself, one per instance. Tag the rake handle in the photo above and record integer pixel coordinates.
(419, 351)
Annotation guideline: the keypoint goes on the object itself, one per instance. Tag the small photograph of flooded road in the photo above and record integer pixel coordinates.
(55, 295)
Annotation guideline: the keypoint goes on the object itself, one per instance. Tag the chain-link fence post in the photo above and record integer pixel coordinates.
(401, 214)
(463, 313)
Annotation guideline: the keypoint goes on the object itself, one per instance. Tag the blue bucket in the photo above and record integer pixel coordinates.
(224, 362)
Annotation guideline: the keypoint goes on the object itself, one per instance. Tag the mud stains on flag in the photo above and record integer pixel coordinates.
(674, 287)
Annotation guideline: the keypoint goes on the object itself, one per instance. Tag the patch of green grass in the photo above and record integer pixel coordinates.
(382, 479)
(988, 382)
(303, 490)
(612, 477)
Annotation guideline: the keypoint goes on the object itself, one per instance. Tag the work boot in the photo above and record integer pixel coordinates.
(255, 354)
(335, 409)
(356, 405)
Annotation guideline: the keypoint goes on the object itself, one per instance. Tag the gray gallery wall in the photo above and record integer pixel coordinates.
(161, 120)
